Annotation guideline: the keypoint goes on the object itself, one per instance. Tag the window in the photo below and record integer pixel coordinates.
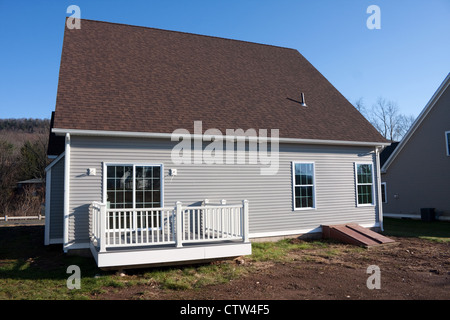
(133, 186)
(364, 183)
(447, 142)
(148, 186)
(303, 185)
(383, 192)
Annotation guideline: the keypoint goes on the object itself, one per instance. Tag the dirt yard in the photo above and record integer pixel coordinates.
(410, 269)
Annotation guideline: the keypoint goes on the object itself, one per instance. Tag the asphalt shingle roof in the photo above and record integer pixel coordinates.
(117, 77)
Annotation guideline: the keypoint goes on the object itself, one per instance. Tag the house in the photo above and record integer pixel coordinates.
(36, 186)
(171, 147)
(416, 174)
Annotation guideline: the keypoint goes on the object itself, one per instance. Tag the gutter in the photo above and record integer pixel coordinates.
(379, 198)
(66, 192)
(177, 136)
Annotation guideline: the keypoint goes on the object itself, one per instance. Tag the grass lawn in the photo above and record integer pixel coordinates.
(435, 231)
(29, 270)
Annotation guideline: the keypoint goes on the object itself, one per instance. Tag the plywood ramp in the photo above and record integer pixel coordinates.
(353, 233)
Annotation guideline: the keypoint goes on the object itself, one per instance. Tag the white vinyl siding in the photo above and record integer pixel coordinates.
(271, 210)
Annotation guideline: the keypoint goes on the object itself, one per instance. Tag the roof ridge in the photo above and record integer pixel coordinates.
(189, 33)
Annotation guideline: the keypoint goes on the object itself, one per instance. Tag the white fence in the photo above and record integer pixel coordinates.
(157, 226)
(7, 218)
(212, 223)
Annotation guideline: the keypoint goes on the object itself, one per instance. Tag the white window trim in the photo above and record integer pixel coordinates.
(314, 207)
(447, 148)
(134, 165)
(385, 193)
(356, 185)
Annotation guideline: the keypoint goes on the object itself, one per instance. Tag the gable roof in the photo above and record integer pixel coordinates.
(121, 78)
(429, 106)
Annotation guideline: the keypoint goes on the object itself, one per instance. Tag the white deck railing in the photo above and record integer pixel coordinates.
(113, 228)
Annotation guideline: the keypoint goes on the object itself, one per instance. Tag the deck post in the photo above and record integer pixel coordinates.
(102, 234)
(179, 224)
(245, 229)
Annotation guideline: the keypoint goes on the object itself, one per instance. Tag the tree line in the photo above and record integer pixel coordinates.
(28, 125)
(23, 156)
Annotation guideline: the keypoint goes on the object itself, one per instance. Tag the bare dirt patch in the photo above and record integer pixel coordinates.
(411, 269)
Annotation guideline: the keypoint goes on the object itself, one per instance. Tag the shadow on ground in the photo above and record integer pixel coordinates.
(23, 255)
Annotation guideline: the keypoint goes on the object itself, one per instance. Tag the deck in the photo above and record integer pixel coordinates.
(159, 236)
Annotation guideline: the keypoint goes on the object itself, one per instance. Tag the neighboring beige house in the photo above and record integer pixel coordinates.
(417, 173)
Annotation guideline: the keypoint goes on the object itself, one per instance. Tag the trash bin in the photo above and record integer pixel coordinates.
(427, 214)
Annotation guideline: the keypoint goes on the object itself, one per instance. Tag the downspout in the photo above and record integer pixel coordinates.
(379, 197)
(66, 192)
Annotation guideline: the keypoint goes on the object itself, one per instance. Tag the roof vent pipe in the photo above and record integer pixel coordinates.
(303, 100)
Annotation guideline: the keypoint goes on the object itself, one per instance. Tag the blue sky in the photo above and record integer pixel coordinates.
(404, 61)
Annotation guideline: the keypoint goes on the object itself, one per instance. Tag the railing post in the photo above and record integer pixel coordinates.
(91, 223)
(102, 233)
(245, 229)
(179, 224)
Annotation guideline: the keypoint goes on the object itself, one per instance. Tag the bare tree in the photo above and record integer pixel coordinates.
(8, 175)
(33, 158)
(359, 105)
(405, 123)
(386, 118)
(29, 201)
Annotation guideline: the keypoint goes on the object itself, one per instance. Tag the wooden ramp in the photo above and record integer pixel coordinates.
(353, 233)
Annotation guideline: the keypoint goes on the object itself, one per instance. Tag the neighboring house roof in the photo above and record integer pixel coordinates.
(444, 85)
(31, 181)
(122, 78)
(387, 151)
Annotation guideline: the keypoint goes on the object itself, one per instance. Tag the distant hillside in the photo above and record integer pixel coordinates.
(25, 125)
(19, 131)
